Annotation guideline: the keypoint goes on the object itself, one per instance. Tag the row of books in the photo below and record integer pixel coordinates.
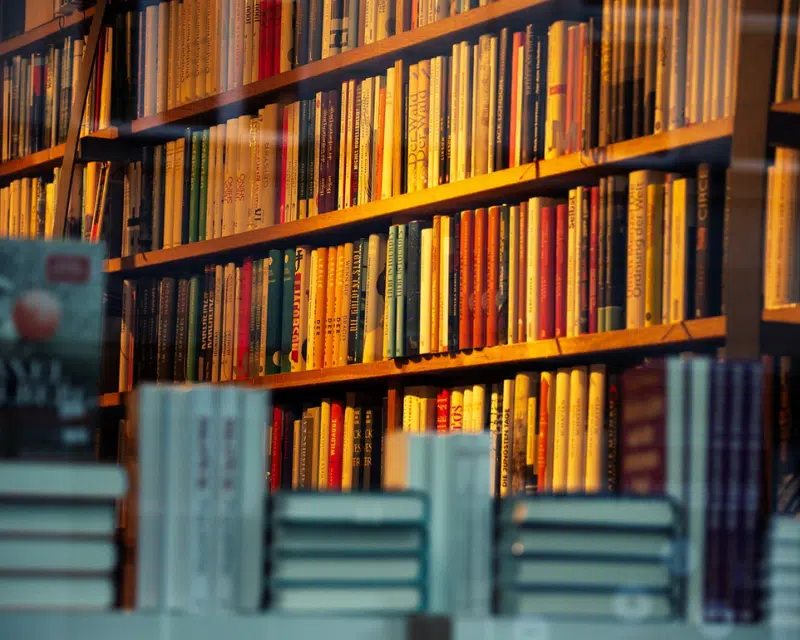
(37, 92)
(365, 553)
(546, 268)
(782, 573)
(197, 497)
(590, 556)
(334, 446)
(554, 431)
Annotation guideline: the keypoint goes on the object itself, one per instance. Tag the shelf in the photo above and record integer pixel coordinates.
(329, 73)
(695, 143)
(538, 354)
(140, 626)
(36, 163)
(43, 31)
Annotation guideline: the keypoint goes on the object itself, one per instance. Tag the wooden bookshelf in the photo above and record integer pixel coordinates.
(44, 31)
(36, 163)
(538, 354)
(669, 149)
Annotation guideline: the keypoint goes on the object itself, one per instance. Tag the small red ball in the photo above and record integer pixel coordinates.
(37, 315)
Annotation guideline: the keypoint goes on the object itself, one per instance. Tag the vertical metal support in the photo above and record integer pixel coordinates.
(76, 118)
(760, 24)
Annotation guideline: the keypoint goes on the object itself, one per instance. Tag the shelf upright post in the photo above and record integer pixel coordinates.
(759, 28)
(76, 118)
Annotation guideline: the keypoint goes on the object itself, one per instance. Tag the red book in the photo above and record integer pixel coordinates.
(545, 389)
(569, 114)
(594, 222)
(560, 294)
(284, 161)
(522, 273)
(274, 65)
(336, 453)
(275, 449)
(243, 352)
(547, 273)
(492, 273)
(443, 411)
(479, 281)
(513, 124)
(642, 433)
(465, 280)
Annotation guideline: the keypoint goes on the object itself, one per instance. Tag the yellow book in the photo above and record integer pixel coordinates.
(397, 142)
(413, 129)
(338, 304)
(296, 455)
(104, 117)
(435, 284)
(330, 307)
(344, 311)
(654, 255)
(319, 295)
(347, 449)
(422, 121)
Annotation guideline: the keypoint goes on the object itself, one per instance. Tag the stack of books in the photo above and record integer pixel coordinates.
(348, 553)
(589, 556)
(57, 534)
(782, 568)
(198, 498)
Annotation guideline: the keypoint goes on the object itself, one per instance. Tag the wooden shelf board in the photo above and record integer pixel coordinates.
(35, 163)
(533, 353)
(328, 73)
(44, 31)
(789, 314)
(493, 188)
(790, 106)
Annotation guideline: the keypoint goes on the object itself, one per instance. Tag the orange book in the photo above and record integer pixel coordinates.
(435, 283)
(522, 264)
(479, 280)
(492, 273)
(465, 281)
(381, 97)
(339, 302)
(321, 287)
(330, 307)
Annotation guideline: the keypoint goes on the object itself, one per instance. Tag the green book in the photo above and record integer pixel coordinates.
(193, 329)
(274, 309)
(286, 309)
(203, 204)
(399, 290)
(194, 198)
(389, 347)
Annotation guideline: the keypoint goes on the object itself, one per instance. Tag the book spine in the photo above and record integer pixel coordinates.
(455, 283)
(335, 454)
(466, 271)
(287, 304)
(492, 275)
(181, 328)
(412, 280)
(400, 292)
(503, 276)
(165, 330)
(479, 279)
(582, 311)
(560, 280)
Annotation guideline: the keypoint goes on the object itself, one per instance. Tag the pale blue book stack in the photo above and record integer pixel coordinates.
(347, 553)
(782, 573)
(597, 557)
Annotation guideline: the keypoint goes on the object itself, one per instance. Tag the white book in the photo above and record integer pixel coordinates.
(454, 88)
(293, 161)
(506, 435)
(219, 180)
(147, 409)
(253, 409)
(444, 282)
(324, 443)
(388, 138)
(426, 254)
(211, 202)
(177, 186)
(576, 444)
(219, 307)
(242, 179)
(513, 273)
(533, 266)
(151, 60)
(177, 477)
(325, 50)
(373, 313)
(695, 80)
(560, 424)
(677, 64)
(573, 247)
(255, 213)
(228, 327)
(683, 219)
(270, 172)
(162, 57)
(637, 245)
(231, 173)
(555, 132)
(596, 449)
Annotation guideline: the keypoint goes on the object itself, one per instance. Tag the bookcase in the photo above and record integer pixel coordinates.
(740, 139)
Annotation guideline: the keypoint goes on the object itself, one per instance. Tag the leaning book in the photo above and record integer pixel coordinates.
(51, 297)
